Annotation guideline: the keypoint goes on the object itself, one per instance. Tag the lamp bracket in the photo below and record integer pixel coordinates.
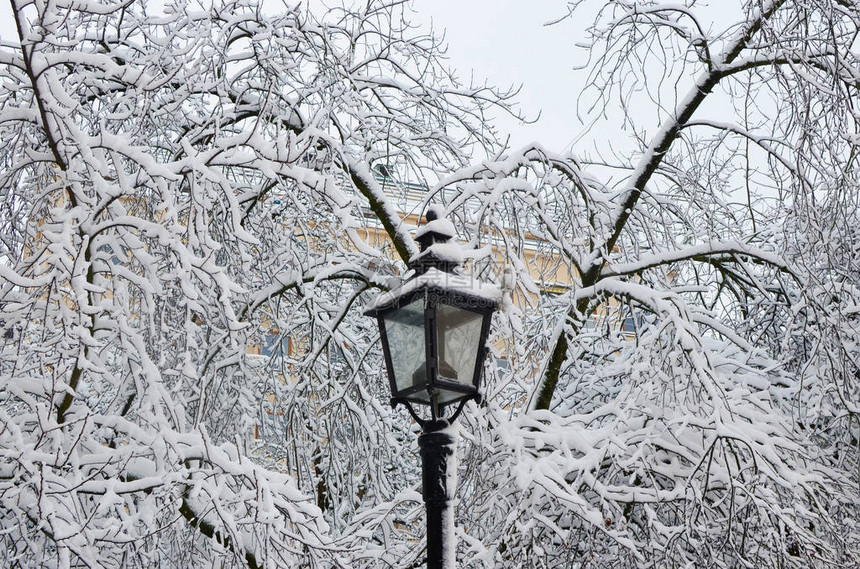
(436, 417)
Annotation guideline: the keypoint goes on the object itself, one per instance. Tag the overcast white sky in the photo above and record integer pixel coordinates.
(505, 42)
(508, 43)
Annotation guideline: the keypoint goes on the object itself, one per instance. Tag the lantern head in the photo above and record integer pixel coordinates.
(434, 327)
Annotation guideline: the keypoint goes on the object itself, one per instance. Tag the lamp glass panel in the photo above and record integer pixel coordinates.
(446, 396)
(458, 334)
(404, 328)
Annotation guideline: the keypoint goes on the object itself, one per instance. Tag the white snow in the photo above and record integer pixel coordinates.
(440, 280)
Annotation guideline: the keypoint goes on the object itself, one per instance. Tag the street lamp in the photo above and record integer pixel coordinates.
(434, 332)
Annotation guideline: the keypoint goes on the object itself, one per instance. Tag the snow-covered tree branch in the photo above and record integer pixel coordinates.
(198, 203)
(183, 190)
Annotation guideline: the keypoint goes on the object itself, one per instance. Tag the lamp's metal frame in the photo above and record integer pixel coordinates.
(470, 391)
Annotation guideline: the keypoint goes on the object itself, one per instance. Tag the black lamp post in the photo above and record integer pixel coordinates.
(434, 331)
